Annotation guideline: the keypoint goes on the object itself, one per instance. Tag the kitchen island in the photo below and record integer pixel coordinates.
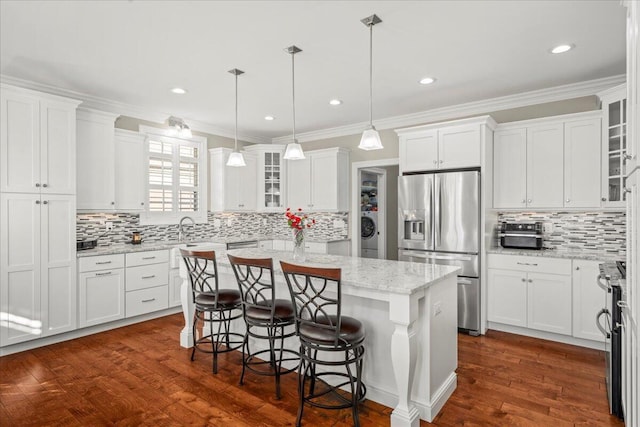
(410, 314)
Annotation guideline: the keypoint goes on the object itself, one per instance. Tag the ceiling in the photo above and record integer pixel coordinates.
(134, 52)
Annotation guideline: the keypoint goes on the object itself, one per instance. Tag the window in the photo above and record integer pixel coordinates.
(176, 179)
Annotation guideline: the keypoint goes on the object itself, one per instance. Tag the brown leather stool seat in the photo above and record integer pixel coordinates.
(351, 330)
(262, 312)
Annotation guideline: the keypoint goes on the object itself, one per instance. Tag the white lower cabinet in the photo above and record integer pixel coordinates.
(101, 289)
(338, 247)
(588, 299)
(147, 282)
(531, 292)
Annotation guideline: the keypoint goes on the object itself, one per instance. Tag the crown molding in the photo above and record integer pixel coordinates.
(557, 93)
(123, 109)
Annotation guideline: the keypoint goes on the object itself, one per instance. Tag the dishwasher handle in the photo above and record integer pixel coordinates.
(599, 325)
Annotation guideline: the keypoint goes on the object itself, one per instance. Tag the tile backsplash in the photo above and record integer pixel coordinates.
(585, 231)
(219, 225)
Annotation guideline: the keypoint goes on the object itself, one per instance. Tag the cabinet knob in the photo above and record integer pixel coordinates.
(45, 185)
(113, 203)
(628, 156)
(441, 161)
(46, 202)
(141, 203)
(435, 162)
(37, 184)
(568, 200)
(524, 201)
(529, 201)
(524, 280)
(530, 280)
(627, 190)
(578, 268)
(37, 202)
(604, 199)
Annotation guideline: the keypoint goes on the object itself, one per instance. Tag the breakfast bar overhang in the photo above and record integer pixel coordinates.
(410, 314)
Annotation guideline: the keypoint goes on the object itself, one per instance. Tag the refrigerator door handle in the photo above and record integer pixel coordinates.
(437, 217)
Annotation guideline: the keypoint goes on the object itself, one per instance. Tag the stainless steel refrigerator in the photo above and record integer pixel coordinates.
(439, 223)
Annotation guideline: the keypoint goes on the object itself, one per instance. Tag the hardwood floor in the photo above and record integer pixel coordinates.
(139, 375)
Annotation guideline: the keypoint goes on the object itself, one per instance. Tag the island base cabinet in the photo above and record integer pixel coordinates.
(507, 297)
(549, 303)
(175, 286)
(101, 297)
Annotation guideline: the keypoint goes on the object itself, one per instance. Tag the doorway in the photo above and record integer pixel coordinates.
(374, 209)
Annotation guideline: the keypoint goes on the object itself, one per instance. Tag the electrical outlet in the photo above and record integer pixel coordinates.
(437, 308)
(109, 225)
(547, 227)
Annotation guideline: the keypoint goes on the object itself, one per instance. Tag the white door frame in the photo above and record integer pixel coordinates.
(355, 202)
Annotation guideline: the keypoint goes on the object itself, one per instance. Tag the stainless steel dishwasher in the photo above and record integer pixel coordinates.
(247, 244)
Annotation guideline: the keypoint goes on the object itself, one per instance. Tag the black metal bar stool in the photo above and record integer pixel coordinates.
(266, 318)
(213, 306)
(327, 339)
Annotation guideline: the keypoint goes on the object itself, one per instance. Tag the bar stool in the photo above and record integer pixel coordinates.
(214, 307)
(266, 318)
(327, 338)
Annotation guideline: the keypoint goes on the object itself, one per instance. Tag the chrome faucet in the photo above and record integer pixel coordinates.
(181, 227)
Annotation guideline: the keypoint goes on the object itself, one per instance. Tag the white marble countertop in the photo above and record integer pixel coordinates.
(122, 248)
(371, 274)
(555, 253)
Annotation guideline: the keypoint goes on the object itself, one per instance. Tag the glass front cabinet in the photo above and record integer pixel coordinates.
(270, 176)
(614, 146)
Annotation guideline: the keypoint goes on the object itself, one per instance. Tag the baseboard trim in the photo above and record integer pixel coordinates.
(550, 336)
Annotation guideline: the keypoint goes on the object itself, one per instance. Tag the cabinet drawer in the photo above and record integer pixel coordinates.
(265, 244)
(147, 276)
(100, 262)
(147, 300)
(147, 257)
(530, 264)
(315, 247)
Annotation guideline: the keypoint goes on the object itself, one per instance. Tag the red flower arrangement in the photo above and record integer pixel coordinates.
(298, 221)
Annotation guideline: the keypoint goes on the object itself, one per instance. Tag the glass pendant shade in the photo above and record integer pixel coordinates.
(370, 140)
(294, 152)
(236, 159)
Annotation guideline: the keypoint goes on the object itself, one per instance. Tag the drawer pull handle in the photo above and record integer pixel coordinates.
(148, 300)
(148, 257)
(149, 277)
(106, 273)
(526, 263)
(103, 262)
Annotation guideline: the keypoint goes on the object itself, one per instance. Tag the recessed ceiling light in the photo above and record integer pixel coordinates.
(269, 118)
(178, 91)
(427, 80)
(335, 102)
(562, 48)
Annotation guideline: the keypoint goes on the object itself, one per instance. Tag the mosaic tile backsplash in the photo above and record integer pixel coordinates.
(219, 225)
(585, 231)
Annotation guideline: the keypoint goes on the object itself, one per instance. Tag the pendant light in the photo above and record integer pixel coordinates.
(370, 137)
(294, 150)
(236, 159)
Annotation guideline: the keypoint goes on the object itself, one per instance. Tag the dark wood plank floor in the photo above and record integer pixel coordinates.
(139, 375)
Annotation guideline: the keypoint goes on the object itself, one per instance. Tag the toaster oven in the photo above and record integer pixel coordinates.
(521, 235)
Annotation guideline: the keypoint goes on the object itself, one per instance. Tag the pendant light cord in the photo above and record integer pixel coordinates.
(293, 92)
(236, 130)
(371, 75)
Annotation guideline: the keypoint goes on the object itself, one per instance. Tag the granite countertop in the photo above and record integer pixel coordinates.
(121, 248)
(555, 253)
(372, 274)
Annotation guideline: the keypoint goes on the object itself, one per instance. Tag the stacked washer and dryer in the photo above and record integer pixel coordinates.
(369, 216)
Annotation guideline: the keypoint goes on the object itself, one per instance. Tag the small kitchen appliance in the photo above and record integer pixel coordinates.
(136, 238)
(521, 235)
(82, 245)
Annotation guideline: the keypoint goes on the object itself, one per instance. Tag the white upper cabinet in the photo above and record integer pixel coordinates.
(582, 163)
(96, 160)
(271, 173)
(545, 156)
(548, 163)
(232, 188)
(450, 145)
(37, 142)
(320, 182)
(130, 167)
(615, 149)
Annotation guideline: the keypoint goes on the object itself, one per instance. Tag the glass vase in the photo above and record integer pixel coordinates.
(298, 245)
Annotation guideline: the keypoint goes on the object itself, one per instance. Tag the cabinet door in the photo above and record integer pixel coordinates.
(247, 185)
(324, 181)
(510, 168)
(545, 163)
(299, 184)
(175, 286)
(419, 153)
(19, 267)
(58, 261)
(507, 297)
(101, 297)
(588, 299)
(270, 181)
(130, 170)
(96, 157)
(459, 147)
(582, 164)
(57, 148)
(19, 143)
(549, 303)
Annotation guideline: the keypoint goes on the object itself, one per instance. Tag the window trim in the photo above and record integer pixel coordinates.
(165, 218)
